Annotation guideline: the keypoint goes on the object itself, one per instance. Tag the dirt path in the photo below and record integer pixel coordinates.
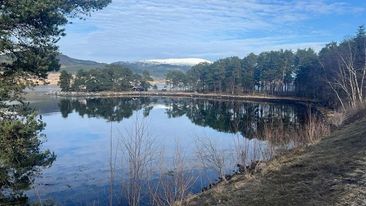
(332, 172)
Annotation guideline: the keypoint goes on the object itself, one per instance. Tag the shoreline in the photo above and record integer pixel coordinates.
(250, 97)
(334, 167)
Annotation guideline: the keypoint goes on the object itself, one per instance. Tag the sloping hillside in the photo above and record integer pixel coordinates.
(332, 172)
(73, 65)
(156, 70)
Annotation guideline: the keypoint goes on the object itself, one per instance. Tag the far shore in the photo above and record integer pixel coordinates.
(53, 78)
(252, 97)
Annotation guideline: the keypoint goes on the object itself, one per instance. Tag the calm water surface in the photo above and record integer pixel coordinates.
(87, 136)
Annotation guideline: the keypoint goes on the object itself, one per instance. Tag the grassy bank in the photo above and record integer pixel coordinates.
(331, 172)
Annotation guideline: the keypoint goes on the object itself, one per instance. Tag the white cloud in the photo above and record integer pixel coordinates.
(146, 29)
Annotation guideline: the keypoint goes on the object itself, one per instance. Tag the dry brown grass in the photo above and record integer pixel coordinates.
(349, 115)
(53, 78)
(331, 172)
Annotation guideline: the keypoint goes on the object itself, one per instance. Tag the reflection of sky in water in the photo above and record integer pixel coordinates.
(82, 146)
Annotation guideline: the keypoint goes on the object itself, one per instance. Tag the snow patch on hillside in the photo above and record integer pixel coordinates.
(178, 61)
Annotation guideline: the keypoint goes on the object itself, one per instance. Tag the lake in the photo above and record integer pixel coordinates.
(108, 149)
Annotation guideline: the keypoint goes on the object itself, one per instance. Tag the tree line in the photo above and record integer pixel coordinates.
(335, 75)
(113, 78)
(271, 72)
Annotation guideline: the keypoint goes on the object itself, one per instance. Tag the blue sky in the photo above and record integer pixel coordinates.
(130, 30)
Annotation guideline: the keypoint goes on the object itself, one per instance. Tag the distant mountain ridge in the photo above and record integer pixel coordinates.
(157, 67)
(73, 65)
(156, 70)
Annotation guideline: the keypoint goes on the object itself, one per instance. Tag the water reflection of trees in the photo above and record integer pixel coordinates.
(248, 118)
(21, 158)
(113, 109)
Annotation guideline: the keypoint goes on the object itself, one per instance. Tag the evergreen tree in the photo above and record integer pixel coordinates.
(29, 31)
(65, 81)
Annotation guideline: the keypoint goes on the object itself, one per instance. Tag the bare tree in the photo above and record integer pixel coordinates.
(241, 148)
(113, 150)
(210, 156)
(174, 182)
(349, 79)
(140, 153)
